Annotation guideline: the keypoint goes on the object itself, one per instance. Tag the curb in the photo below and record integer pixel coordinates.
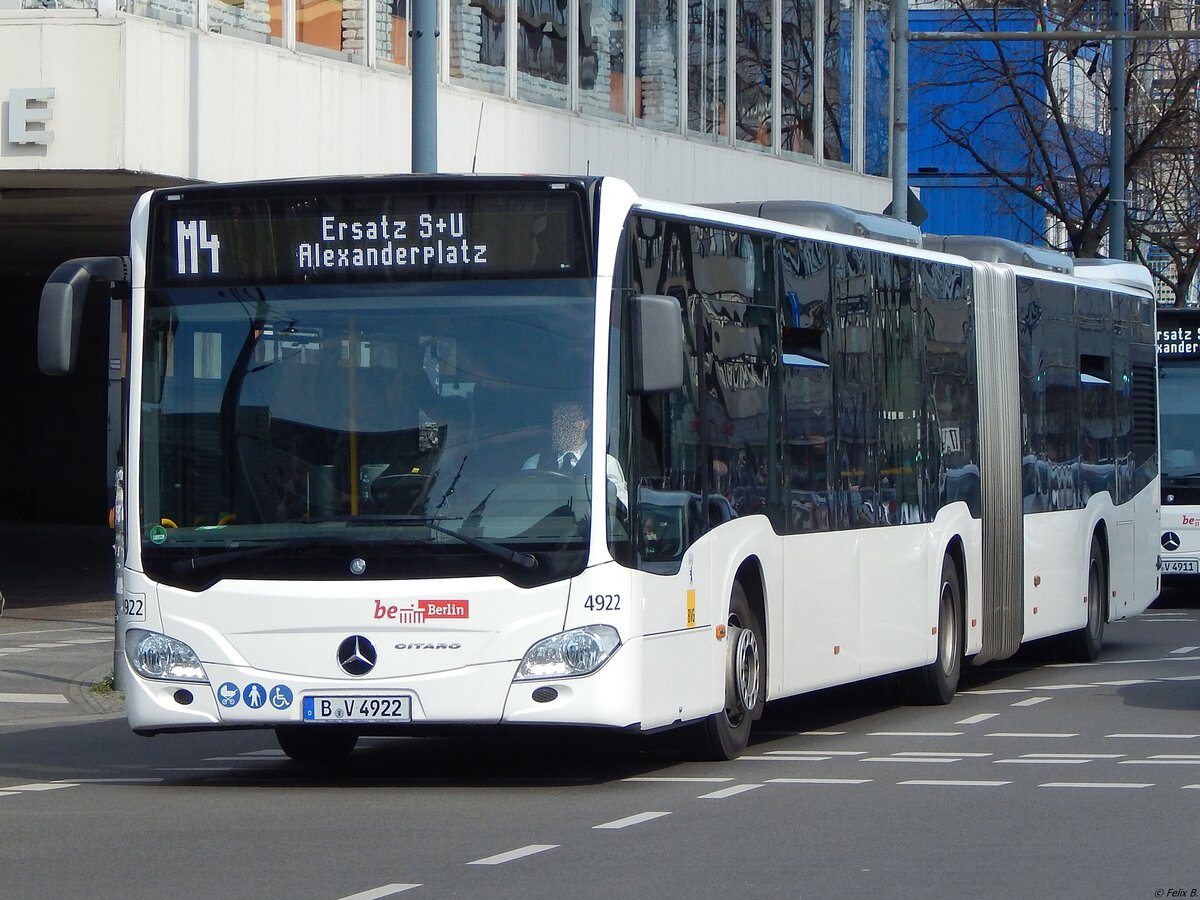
(80, 693)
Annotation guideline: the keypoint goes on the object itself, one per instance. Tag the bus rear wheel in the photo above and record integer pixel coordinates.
(1084, 645)
(316, 743)
(935, 684)
(725, 734)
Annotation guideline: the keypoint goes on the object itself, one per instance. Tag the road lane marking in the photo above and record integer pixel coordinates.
(1094, 784)
(937, 758)
(1046, 762)
(1031, 734)
(731, 791)
(816, 758)
(1126, 682)
(388, 890)
(820, 781)
(628, 821)
(1185, 650)
(519, 853)
(949, 783)
(976, 719)
(824, 754)
(1030, 701)
(938, 753)
(1155, 761)
(914, 734)
(33, 698)
(1168, 737)
(42, 786)
(678, 779)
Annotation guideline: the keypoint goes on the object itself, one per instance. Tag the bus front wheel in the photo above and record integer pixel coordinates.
(725, 733)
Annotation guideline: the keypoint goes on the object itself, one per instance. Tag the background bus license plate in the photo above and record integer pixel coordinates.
(1181, 567)
(358, 709)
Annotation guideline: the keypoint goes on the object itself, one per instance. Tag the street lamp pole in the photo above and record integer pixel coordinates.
(424, 86)
(1116, 154)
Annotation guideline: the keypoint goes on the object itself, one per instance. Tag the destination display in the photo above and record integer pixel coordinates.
(219, 236)
(1178, 334)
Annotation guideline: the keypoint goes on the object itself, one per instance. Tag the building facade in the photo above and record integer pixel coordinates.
(703, 100)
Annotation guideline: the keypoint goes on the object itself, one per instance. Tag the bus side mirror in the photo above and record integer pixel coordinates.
(658, 359)
(61, 312)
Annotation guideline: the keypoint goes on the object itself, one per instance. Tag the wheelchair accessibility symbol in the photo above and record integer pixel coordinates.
(281, 697)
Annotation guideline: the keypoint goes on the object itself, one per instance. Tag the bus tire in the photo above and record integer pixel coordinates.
(1084, 645)
(725, 734)
(318, 744)
(935, 684)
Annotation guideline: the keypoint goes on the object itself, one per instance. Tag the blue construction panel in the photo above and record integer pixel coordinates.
(960, 197)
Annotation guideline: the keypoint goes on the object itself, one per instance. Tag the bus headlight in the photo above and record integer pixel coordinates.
(580, 651)
(155, 655)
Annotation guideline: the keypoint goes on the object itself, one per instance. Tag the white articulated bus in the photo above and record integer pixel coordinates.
(1179, 420)
(833, 448)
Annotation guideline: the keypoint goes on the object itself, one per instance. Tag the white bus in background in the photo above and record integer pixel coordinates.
(1179, 426)
(833, 448)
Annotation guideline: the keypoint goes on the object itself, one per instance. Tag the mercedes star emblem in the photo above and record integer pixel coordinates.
(1170, 540)
(356, 655)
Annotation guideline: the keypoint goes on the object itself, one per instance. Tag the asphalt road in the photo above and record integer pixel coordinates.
(1039, 780)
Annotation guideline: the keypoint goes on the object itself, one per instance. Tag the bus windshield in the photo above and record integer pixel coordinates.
(413, 429)
(1179, 401)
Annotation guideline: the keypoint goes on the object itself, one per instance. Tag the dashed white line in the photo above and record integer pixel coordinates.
(1185, 650)
(1159, 761)
(939, 753)
(674, 779)
(806, 758)
(1031, 734)
(1058, 687)
(42, 786)
(820, 781)
(628, 821)
(33, 698)
(388, 890)
(1030, 701)
(822, 753)
(976, 719)
(1046, 762)
(731, 791)
(914, 734)
(990, 691)
(519, 853)
(950, 783)
(1094, 784)
(1167, 737)
(938, 758)
(823, 733)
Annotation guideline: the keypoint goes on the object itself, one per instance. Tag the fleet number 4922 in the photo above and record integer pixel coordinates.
(603, 602)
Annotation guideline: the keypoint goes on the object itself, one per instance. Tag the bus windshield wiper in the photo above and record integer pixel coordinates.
(199, 563)
(524, 560)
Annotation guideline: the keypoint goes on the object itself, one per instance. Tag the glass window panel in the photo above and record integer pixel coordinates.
(324, 23)
(877, 88)
(177, 12)
(796, 90)
(254, 16)
(477, 43)
(391, 31)
(754, 72)
(839, 80)
(949, 419)
(656, 93)
(602, 57)
(807, 386)
(706, 67)
(542, 31)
